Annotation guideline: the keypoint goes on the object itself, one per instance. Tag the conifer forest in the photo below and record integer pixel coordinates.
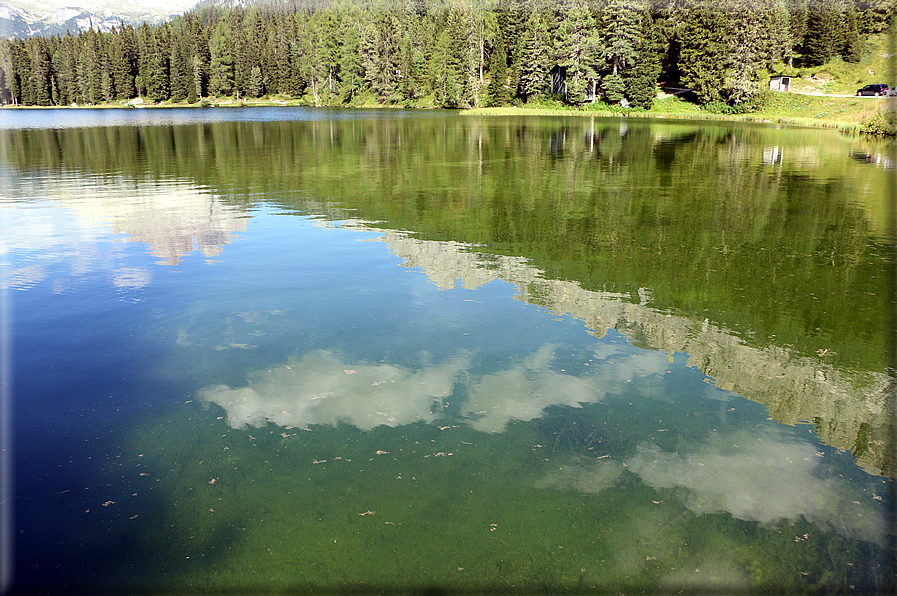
(442, 53)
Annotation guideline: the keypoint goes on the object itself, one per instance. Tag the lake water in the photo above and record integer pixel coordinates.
(275, 349)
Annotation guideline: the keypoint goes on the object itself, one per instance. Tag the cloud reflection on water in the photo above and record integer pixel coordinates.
(765, 476)
(323, 388)
(320, 388)
(523, 391)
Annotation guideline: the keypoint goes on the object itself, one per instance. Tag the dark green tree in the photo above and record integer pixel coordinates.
(621, 32)
(577, 48)
(157, 80)
(381, 57)
(180, 65)
(221, 65)
(40, 76)
(535, 62)
(852, 50)
(352, 68)
(125, 65)
(825, 32)
(498, 91)
(641, 79)
(704, 49)
(746, 53)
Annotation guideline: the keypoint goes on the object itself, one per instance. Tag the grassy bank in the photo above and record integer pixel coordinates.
(849, 114)
(875, 115)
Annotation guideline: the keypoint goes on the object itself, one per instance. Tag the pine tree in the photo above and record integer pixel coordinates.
(280, 36)
(93, 85)
(825, 33)
(621, 25)
(237, 49)
(746, 52)
(39, 72)
(641, 79)
(447, 72)
(778, 32)
(221, 73)
(158, 84)
(515, 28)
(256, 82)
(414, 45)
(852, 50)
(145, 47)
(704, 49)
(614, 88)
(535, 62)
(498, 91)
(180, 79)
(381, 57)
(577, 48)
(352, 68)
(126, 65)
(195, 92)
(65, 70)
(296, 85)
(21, 83)
(253, 41)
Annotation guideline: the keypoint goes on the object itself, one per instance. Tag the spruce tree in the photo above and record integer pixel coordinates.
(825, 32)
(535, 63)
(498, 91)
(158, 81)
(778, 33)
(256, 82)
(641, 79)
(296, 83)
(852, 49)
(447, 72)
(126, 66)
(195, 92)
(415, 44)
(180, 79)
(39, 71)
(352, 68)
(621, 31)
(577, 48)
(381, 57)
(704, 50)
(746, 52)
(221, 65)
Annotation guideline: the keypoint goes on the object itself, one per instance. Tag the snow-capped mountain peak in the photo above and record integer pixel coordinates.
(48, 17)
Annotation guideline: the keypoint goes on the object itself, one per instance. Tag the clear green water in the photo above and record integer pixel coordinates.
(320, 350)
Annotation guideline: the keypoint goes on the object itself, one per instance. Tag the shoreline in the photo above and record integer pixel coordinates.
(850, 117)
(753, 118)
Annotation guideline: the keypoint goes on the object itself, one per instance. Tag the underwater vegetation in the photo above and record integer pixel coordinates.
(565, 502)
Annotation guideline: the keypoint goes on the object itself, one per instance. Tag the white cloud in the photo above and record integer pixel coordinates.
(321, 388)
(764, 476)
(522, 392)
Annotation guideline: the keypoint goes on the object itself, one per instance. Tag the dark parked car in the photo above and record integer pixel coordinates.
(876, 89)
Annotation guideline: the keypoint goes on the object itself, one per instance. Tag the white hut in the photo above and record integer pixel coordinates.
(779, 83)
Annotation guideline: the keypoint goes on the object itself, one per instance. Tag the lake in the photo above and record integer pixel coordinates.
(362, 350)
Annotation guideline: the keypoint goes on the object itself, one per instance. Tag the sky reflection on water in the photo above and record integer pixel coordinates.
(205, 376)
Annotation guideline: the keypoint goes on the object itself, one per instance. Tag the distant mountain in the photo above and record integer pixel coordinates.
(48, 17)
